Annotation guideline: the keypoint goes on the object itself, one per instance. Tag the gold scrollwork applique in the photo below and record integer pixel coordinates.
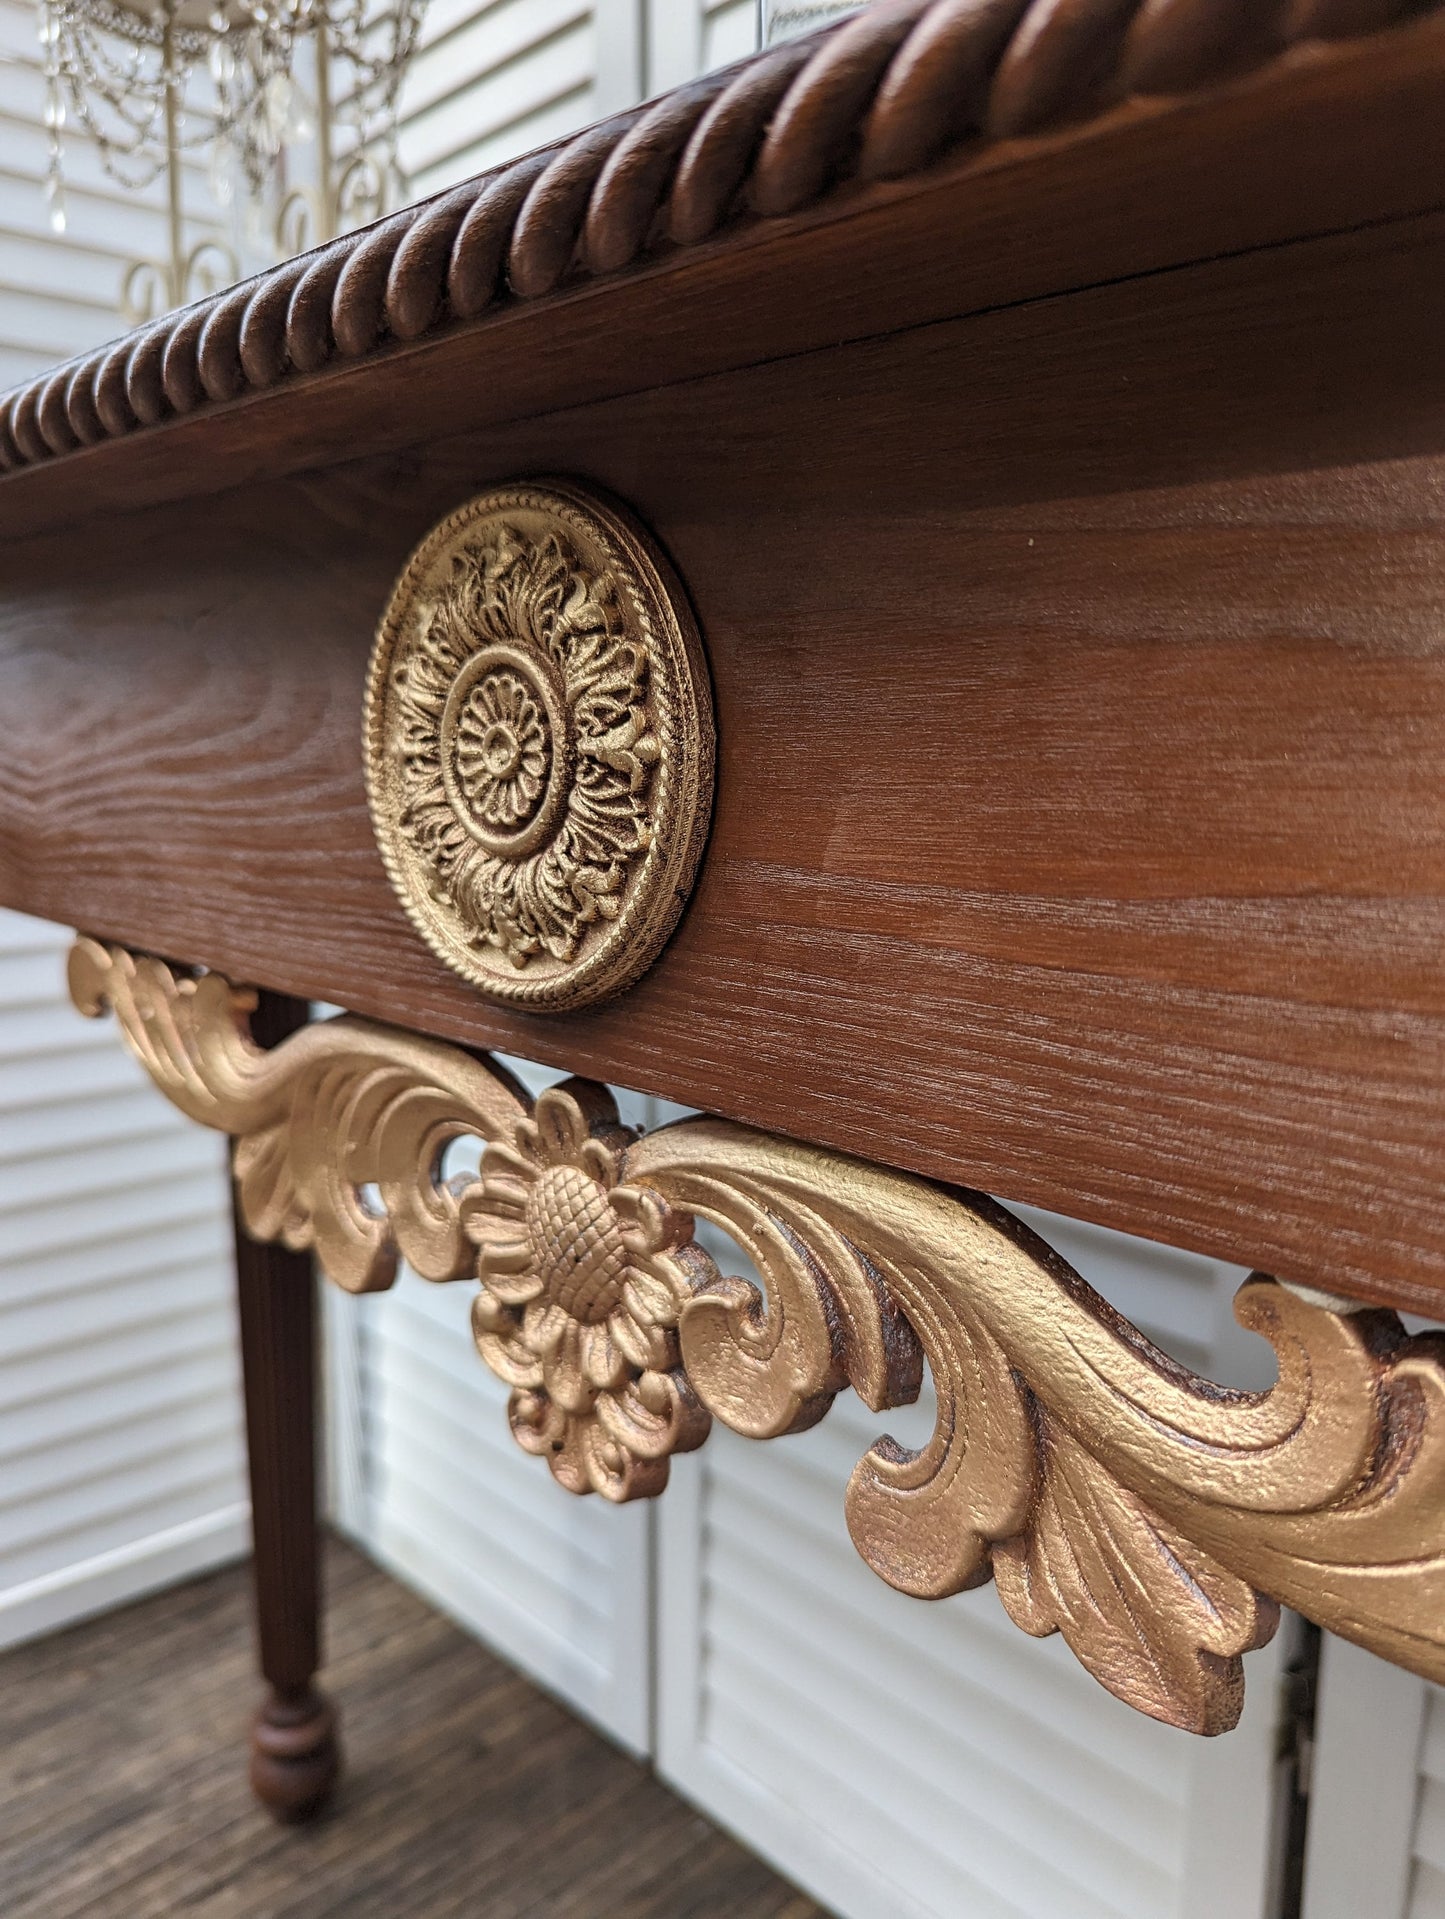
(1153, 1518)
(539, 745)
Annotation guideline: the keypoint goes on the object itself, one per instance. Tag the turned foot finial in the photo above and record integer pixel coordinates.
(294, 1754)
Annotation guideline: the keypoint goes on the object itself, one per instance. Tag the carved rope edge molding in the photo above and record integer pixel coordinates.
(880, 95)
(1151, 1517)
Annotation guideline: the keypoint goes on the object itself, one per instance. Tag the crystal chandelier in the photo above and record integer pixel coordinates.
(784, 18)
(154, 81)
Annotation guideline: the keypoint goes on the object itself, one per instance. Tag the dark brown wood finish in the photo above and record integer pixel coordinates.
(294, 1751)
(1326, 138)
(1079, 680)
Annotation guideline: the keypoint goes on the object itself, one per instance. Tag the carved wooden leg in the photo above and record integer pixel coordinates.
(294, 1752)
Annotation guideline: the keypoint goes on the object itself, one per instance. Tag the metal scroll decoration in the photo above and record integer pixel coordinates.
(539, 745)
(1151, 1517)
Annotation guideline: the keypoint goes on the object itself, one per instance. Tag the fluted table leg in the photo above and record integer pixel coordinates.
(294, 1750)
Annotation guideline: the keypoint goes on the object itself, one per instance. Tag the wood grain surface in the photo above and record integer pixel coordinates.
(1325, 138)
(1079, 672)
(470, 1792)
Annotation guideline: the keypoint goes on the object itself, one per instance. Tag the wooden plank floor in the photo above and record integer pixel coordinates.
(468, 1792)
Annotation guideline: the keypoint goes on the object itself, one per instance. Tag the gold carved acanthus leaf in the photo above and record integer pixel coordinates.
(1154, 1519)
(1150, 1516)
(339, 1132)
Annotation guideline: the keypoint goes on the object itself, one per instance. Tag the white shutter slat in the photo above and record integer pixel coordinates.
(89, 277)
(427, 1446)
(102, 231)
(154, 1153)
(730, 30)
(927, 1725)
(21, 933)
(82, 1425)
(30, 1030)
(100, 1213)
(1427, 1881)
(49, 1126)
(553, 1592)
(180, 1259)
(98, 1500)
(433, 1485)
(122, 1463)
(461, 114)
(1364, 1784)
(29, 975)
(117, 1512)
(71, 1366)
(185, 1415)
(73, 1073)
(968, 1875)
(496, 80)
(991, 1675)
(490, 41)
(688, 37)
(99, 210)
(20, 364)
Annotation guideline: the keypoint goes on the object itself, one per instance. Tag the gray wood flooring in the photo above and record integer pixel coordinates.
(467, 1792)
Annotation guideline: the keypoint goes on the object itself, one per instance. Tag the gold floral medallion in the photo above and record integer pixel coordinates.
(539, 745)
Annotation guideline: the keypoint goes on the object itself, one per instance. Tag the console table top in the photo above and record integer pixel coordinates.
(921, 160)
(1044, 420)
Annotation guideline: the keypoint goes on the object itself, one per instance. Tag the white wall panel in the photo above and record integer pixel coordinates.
(121, 1452)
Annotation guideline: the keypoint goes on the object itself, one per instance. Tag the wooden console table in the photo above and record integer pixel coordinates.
(893, 596)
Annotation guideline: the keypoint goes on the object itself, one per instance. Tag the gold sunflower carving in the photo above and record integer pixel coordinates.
(583, 1280)
(539, 745)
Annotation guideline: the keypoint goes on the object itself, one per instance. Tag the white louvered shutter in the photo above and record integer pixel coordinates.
(1427, 1838)
(1375, 1844)
(910, 1761)
(427, 1477)
(122, 1463)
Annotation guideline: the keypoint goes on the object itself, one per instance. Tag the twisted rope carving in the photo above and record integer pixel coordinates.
(879, 95)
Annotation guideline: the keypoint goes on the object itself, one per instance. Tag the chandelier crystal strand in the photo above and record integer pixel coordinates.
(150, 81)
(49, 29)
(781, 19)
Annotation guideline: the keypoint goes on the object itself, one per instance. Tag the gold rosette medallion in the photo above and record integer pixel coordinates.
(539, 745)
